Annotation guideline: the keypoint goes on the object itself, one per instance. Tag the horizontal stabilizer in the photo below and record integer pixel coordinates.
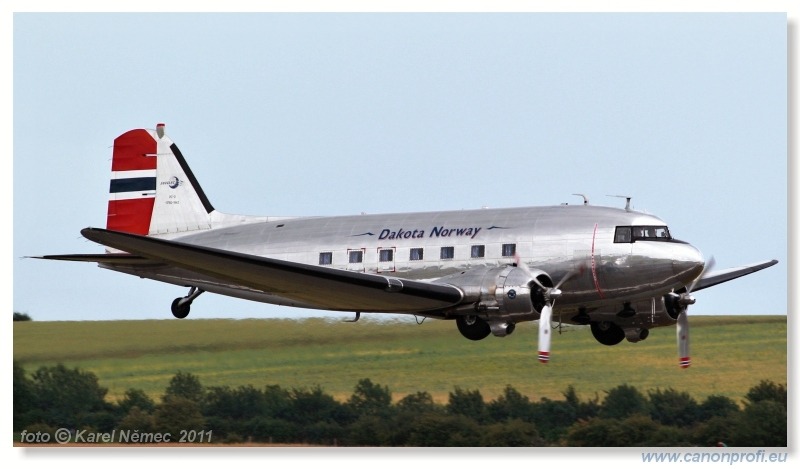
(113, 259)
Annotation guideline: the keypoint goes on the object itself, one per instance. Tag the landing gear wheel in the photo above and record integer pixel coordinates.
(473, 327)
(181, 306)
(607, 333)
(180, 309)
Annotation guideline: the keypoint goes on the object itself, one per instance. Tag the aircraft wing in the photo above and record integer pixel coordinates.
(324, 287)
(715, 278)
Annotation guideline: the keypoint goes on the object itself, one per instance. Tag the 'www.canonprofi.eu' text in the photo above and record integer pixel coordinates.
(730, 457)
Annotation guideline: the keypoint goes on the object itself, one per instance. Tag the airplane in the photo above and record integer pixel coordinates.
(618, 270)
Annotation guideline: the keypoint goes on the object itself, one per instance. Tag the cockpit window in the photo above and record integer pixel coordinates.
(631, 234)
(622, 234)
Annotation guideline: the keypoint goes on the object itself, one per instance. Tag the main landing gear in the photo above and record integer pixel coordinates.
(181, 306)
(607, 333)
(473, 327)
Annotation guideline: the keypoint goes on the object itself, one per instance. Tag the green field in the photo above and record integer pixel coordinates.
(729, 356)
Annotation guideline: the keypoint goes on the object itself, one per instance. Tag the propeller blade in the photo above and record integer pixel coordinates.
(578, 269)
(544, 333)
(682, 330)
(525, 268)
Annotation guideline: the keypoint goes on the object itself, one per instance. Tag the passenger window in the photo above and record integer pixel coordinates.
(386, 255)
(416, 254)
(448, 252)
(325, 258)
(478, 251)
(356, 257)
(509, 250)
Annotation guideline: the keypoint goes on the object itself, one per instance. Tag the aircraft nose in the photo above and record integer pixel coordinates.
(687, 263)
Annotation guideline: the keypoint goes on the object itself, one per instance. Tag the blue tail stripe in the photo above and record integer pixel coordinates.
(133, 185)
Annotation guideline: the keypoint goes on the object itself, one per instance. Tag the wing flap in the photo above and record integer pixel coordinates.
(324, 287)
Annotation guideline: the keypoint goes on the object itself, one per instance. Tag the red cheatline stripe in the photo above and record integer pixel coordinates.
(594, 266)
(130, 149)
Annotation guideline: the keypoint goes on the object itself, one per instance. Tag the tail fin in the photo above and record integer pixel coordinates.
(153, 191)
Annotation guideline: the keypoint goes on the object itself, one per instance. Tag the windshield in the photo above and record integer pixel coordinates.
(630, 234)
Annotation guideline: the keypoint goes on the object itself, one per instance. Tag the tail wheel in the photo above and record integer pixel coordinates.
(473, 327)
(180, 309)
(607, 333)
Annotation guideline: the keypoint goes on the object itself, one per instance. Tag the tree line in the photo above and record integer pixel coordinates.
(59, 397)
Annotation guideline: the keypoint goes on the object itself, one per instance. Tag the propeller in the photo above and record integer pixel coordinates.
(682, 328)
(551, 294)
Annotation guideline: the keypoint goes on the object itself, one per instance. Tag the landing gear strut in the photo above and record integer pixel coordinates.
(181, 306)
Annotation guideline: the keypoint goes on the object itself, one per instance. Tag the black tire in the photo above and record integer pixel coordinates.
(607, 333)
(179, 310)
(473, 327)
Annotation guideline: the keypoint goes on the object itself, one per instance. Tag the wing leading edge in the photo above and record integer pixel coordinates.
(324, 287)
(721, 276)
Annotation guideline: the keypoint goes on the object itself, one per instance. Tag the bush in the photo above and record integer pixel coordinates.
(469, 404)
(716, 406)
(136, 398)
(176, 413)
(66, 398)
(767, 391)
(762, 423)
(272, 430)
(671, 407)
(309, 406)
(370, 399)
(23, 399)
(185, 385)
(21, 317)
(622, 402)
(444, 430)
(510, 405)
(137, 419)
(512, 433)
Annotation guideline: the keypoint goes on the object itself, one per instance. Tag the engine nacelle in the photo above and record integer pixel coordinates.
(505, 291)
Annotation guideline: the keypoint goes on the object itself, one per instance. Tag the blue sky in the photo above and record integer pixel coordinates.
(326, 114)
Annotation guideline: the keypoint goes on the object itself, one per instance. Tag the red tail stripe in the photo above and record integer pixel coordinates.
(130, 215)
(130, 149)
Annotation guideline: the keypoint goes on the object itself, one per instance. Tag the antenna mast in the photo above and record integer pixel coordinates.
(627, 201)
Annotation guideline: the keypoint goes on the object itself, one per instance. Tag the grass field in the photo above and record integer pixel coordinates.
(729, 356)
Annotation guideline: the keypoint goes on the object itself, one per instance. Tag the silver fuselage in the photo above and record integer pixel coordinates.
(556, 240)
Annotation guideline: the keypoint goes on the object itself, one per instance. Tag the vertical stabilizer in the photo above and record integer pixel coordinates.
(153, 190)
